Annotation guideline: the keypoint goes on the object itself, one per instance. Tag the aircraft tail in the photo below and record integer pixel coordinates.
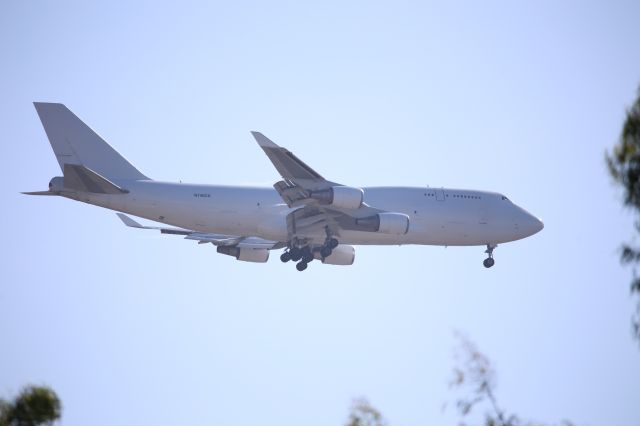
(74, 143)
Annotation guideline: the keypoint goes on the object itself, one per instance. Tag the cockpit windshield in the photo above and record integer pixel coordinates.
(505, 198)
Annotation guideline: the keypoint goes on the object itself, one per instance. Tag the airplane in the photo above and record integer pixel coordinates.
(311, 218)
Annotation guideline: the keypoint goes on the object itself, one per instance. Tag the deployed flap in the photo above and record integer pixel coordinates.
(215, 239)
(257, 243)
(80, 178)
(204, 237)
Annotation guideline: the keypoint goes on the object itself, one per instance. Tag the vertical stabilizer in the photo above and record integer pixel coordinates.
(74, 142)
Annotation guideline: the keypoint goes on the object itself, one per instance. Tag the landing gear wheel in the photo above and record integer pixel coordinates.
(295, 253)
(333, 243)
(307, 256)
(301, 266)
(285, 257)
(326, 251)
(489, 262)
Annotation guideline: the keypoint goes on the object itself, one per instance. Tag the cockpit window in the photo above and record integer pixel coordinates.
(505, 198)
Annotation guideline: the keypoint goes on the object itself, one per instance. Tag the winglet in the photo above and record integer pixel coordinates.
(128, 221)
(264, 141)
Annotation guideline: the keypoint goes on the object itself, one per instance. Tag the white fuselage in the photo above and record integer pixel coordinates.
(448, 217)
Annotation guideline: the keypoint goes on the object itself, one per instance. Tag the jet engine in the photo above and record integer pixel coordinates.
(56, 184)
(342, 197)
(386, 223)
(245, 254)
(341, 255)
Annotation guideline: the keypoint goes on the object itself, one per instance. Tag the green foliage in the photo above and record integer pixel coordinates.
(35, 405)
(624, 167)
(364, 414)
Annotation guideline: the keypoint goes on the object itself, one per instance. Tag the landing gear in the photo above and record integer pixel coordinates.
(295, 253)
(327, 248)
(300, 254)
(489, 261)
(307, 256)
(285, 257)
(329, 244)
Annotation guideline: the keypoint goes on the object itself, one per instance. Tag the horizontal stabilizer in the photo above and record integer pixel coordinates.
(129, 222)
(81, 178)
(40, 193)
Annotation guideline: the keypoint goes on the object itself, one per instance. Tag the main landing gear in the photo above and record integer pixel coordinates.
(489, 261)
(328, 247)
(329, 244)
(303, 255)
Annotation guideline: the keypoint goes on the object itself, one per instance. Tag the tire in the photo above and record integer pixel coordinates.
(307, 256)
(296, 254)
(285, 257)
(333, 243)
(301, 266)
(488, 262)
(326, 251)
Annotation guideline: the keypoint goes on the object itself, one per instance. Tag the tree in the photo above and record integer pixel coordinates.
(624, 167)
(476, 378)
(34, 405)
(364, 414)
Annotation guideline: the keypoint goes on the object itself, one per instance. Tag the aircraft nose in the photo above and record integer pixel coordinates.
(533, 225)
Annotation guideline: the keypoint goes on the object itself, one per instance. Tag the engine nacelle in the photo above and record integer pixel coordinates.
(342, 197)
(245, 254)
(56, 184)
(386, 223)
(341, 255)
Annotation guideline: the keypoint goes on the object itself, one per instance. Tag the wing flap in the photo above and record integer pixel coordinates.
(205, 238)
(257, 243)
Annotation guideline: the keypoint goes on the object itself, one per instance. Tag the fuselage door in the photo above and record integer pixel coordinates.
(440, 194)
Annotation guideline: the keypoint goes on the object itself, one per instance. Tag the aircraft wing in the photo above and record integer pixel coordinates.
(314, 197)
(204, 238)
(291, 168)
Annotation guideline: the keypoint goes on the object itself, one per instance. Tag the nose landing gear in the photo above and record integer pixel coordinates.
(489, 261)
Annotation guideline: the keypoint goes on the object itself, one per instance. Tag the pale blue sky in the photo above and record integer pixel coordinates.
(135, 328)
